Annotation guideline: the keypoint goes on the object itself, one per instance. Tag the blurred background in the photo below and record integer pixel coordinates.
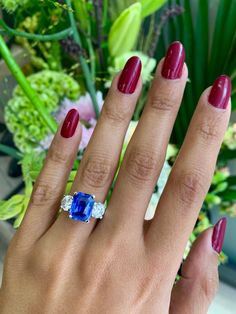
(55, 55)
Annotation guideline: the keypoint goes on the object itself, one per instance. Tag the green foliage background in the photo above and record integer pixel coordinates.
(207, 30)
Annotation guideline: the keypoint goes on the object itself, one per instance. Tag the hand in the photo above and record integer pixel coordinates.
(122, 264)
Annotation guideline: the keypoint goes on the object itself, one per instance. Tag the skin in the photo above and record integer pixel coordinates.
(121, 264)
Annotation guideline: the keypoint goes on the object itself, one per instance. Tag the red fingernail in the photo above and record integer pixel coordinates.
(70, 123)
(220, 92)
(219, 234)
(174, 61)
(130, 75)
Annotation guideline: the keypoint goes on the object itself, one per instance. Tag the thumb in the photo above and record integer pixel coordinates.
(199, 281)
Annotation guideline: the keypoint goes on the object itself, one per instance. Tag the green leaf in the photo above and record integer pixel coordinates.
(208, 31)
(124, 31)
(200, 51)
(21, 215)
(221, 187)
(19, 218)
(31, 166)
(212, 199)
(219, 176)
(11, 207)
(226, 154)
(81, 13)
(229, 195)
(72, 175)
(151, 6)
(223, 9)
(231, 181)
(10, 151)
(184, 23)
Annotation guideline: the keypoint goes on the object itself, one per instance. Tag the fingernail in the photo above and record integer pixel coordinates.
(130, 75)
(220, 92)
(219, 234)
(174, 61)
(70, 123)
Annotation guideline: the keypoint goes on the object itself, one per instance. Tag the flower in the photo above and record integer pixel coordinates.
(150, 6)
(148, 65)
(86, 135)
(124, 31)
(21, 117)
(230, 137)
(160, 187)
(87, 114)
(84, 105)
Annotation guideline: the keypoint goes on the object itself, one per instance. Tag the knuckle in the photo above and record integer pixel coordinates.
(43, 193)
(141, 165)
(189, 187)
(47, 265)
(59, 156)
(161, 103)
(209, 286)
(96, 171)
(208, 130)
(116, 113)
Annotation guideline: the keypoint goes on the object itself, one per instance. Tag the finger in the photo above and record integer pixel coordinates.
(198, 285)
(145, 154)
(100, 161)
(191, 175)
(50, 184)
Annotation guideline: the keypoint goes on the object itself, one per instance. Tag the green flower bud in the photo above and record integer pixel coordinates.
(12, 5)
(150, 6)
(23, 119)
(212, 200)
(124, 31)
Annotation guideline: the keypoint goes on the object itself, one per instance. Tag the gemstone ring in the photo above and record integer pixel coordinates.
(82, 206)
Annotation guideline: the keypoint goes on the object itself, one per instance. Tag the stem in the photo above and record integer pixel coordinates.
(105, 12)
(24, 84)
(98, 11)
(10, 151)
(38, 37)
(84, 65)
(92, 58)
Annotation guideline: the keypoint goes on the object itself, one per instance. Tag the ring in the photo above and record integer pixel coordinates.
(82, 206)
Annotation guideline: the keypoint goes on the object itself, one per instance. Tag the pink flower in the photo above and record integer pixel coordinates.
(85, 107)
(86, 135)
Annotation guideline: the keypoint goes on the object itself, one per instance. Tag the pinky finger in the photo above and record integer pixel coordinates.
(195, 291)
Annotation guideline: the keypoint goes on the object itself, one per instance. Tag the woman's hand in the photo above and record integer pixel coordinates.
(122, 264)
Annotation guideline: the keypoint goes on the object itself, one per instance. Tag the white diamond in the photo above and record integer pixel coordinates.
(66, 202)
(98, 210)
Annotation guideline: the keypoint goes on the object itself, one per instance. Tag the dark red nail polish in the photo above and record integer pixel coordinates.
(174, 61)
(219, 234)
(220, 92)
(70, 123)
(130, 75)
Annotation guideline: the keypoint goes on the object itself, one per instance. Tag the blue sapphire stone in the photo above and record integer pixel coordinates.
(81, 207)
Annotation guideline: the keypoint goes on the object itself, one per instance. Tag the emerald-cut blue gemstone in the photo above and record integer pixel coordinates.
(81, 207)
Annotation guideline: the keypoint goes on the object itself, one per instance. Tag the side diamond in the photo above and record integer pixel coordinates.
(98, 210)
(66, 202)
